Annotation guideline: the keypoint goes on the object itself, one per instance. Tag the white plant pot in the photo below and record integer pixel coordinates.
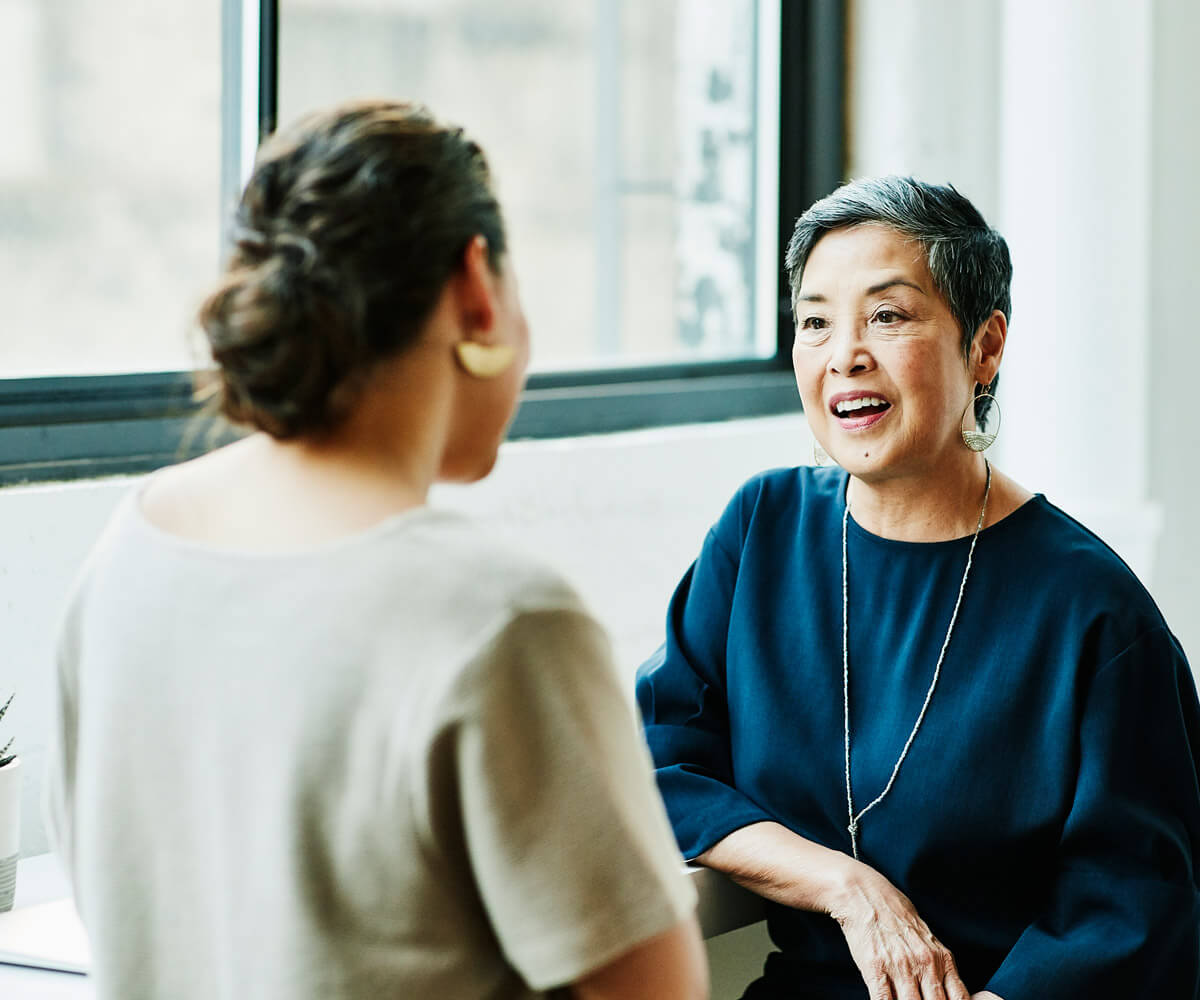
(10, 830)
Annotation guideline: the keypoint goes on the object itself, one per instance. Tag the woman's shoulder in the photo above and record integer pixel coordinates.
(489, 567)
(1067, 543)
(797, 480)
(104, 551)
(1076, 569)
(790, 487)
(782, 499)
(518, 621)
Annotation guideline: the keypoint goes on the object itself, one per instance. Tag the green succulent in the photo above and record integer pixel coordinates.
(6, 756)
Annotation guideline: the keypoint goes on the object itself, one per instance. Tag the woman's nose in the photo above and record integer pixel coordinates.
(848, 353)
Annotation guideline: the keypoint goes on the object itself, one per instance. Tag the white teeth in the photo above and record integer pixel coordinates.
(850, 405)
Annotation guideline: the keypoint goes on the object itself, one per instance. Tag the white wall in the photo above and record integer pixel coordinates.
(45, 532)
(1174, 355)
(1075, 127)
(924, 93)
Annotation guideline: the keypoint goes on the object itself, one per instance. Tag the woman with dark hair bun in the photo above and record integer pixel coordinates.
(317, 739)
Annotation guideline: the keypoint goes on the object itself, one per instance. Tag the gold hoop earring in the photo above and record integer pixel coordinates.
(978, 440)
(484, 360)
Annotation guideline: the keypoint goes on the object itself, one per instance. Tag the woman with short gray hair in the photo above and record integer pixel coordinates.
(908, 694)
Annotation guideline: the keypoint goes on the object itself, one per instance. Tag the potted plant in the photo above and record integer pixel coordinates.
(10, 816)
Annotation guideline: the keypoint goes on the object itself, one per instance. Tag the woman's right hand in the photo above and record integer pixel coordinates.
(894, 949)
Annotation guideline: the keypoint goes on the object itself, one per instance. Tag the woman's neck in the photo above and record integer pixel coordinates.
(389, 451)
(265, 495)
(927, 507)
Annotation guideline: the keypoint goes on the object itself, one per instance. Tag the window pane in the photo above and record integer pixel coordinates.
(630, 143)
(109, 174)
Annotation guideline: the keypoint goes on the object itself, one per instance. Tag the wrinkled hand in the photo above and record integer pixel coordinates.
(894, 949)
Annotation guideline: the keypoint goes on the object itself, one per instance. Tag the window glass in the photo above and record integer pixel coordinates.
(109, 176)
(633, 145)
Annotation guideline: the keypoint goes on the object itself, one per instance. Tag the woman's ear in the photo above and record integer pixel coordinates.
(477, 292)
(988, 348)
(476, 288)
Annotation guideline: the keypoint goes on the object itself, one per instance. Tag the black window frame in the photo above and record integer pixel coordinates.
(86, 426)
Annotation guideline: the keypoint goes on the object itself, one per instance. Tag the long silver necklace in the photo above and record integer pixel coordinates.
(856, 818)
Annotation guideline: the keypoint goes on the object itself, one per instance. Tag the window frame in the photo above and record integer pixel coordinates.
(85, 426)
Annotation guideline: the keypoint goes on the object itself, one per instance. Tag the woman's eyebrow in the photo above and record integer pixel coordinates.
(873, 290)
(884, 285)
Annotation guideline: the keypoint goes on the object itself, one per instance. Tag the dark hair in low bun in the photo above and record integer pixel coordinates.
(348, 230)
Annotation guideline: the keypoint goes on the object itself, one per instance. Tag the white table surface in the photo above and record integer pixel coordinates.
(40, 880)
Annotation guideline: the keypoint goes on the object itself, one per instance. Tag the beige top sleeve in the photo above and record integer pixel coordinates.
(564, 832)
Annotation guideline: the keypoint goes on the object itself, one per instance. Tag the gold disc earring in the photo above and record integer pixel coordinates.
(484, 360)
(978, 440)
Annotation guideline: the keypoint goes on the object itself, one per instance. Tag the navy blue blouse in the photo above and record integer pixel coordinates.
(1047, 819)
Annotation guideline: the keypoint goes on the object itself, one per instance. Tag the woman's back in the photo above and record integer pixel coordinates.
(309, 773)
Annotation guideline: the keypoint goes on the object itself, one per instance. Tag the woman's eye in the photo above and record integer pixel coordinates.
(888, 316)
(813, 323)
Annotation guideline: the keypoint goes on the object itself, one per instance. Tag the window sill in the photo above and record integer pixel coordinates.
(91, 426)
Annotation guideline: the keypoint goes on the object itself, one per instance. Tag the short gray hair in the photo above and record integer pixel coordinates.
(968, 260)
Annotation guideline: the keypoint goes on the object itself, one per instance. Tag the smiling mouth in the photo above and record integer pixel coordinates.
(863, 406)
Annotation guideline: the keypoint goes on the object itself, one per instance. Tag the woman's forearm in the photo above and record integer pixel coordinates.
(893, 948)
(774, 862)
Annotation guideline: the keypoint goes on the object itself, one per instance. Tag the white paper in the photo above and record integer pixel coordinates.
(45, 936)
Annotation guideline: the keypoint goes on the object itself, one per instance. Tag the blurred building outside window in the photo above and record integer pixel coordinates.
(631, 144)
(109, 182)
(634, 146)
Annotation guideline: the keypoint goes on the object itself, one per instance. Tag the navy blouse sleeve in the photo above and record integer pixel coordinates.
(682, 696)
(1123, 915)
